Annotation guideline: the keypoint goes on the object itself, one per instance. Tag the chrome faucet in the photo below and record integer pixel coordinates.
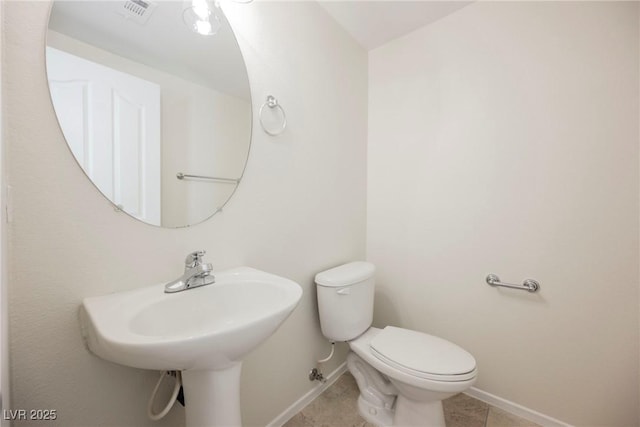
(195, 274)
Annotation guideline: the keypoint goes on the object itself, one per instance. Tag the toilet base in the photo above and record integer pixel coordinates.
(410, 413)
(407, 413)
(376, 415)
(377, 394)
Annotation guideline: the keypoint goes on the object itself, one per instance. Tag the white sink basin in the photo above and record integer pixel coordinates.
(207, 328)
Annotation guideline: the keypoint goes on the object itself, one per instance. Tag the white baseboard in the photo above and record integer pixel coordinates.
(300, 404)
(515, 409)
(491, 399)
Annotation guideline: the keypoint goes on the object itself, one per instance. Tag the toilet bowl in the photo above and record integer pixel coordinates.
(403, 375)
(419, 389)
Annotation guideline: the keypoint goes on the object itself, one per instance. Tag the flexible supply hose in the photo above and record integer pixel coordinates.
(326, 359)
(172, 400)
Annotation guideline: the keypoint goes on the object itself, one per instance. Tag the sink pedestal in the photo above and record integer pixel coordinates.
(212, 398)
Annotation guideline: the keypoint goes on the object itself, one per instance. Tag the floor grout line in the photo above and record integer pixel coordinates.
(486, 416)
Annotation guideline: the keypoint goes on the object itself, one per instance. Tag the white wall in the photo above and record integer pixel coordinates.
(4, 330)
(300, 209)
(200, 126)
(504, 139)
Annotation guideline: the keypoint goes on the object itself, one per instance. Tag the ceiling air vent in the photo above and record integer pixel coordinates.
(136, 10)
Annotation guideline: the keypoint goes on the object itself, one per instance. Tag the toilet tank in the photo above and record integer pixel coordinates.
(345, 300)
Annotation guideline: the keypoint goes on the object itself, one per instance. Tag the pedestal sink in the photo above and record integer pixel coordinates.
(204, 332)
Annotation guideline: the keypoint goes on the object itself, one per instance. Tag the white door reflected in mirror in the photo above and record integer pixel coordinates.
(112, 124)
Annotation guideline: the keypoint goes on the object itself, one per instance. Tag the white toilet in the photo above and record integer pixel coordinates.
(403, 375)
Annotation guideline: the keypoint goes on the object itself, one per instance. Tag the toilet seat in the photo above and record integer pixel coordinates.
(362, 347)
(422, 355)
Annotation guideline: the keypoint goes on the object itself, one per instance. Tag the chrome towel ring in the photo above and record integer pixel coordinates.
(272, 103)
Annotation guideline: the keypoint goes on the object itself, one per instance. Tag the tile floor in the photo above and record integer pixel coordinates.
(337, 407)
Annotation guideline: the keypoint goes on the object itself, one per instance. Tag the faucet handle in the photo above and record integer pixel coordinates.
(194, 259)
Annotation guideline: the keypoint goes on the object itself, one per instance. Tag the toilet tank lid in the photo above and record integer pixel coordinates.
(346, 274)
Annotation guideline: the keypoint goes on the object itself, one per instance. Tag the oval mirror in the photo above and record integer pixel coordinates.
(154, 102)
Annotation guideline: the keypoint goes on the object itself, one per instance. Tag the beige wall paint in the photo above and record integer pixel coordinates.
(300, 209)
(504, 139)
(4, 323)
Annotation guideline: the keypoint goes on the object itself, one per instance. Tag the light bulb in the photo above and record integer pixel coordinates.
(203, 27)
(201, 16)
(201, 9)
